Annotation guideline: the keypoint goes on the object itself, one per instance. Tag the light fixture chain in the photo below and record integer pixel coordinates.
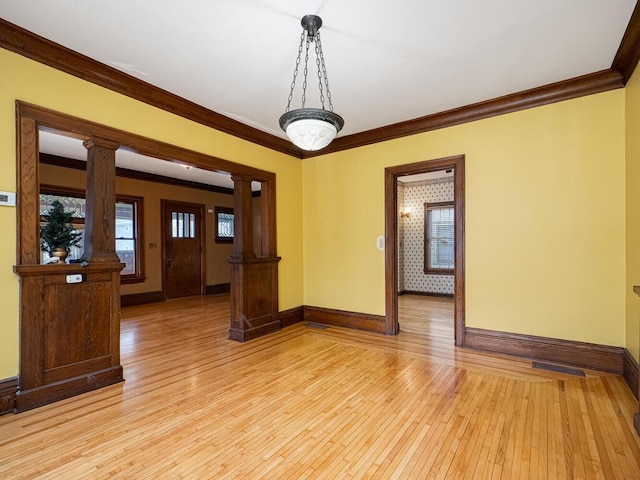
(318, 52)
(295, 72)
(324, 72)
(306, 70)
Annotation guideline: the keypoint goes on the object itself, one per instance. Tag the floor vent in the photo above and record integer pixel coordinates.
(558, 368)
(316, 325)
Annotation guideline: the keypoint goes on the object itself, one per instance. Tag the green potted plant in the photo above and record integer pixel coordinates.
(58, 235)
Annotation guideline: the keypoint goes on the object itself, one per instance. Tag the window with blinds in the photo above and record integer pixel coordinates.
(439, 225)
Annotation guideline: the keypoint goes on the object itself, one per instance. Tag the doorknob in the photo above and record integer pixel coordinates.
(168, 262)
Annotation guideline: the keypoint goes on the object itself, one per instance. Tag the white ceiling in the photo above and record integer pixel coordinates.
(387, 61)
(386, 64)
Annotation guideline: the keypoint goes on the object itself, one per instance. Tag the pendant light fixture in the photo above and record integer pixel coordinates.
(311, 128)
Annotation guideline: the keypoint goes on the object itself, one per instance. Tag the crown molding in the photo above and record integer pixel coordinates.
(30, 45)
(628, 53)
(42, 50)
(555, 92)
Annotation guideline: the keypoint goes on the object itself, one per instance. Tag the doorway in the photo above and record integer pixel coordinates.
(392, 215)
(182, 252)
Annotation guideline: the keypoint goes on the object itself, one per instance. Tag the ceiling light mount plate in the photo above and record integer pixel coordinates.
(311, 23)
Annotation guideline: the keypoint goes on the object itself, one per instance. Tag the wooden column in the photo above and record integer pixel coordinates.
(242, 217)
(100, 221)
(254, 280)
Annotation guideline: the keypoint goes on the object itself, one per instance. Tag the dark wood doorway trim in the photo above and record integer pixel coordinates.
(39, 385)
(164, 203)
(391, 236)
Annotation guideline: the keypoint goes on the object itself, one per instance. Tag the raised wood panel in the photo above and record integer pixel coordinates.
(579, 354)
(77, 316)
(70, 332)
(342, 318)
(254, 297)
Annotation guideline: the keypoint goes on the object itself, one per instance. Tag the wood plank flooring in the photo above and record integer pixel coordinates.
(308, 403)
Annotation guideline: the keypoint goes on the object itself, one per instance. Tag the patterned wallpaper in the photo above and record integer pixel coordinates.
(400, 239)
(411, 235)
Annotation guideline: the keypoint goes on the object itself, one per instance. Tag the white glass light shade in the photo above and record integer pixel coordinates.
(311, 134)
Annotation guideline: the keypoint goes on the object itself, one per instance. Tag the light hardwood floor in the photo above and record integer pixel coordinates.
(320, 403)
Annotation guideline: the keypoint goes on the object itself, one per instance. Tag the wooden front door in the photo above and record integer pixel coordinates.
(182, 253)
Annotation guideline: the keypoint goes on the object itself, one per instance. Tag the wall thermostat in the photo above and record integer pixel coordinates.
(8, 199)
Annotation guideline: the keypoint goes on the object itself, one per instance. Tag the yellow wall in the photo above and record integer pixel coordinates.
(545, 232)
(23, 79)
(632, 122)
(545, 208)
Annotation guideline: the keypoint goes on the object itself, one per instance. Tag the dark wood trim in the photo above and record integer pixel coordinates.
(132, 299)
(391, 238)
(631, 373)
(64, 162)
(42, 50)
(592, 83)
(8, 391)
(218, 288)
(80, 128)
(579, 354)
(342, 318)
(628, 53)
(52, 392)
(30, 45)
(291, 316)
(426, 294)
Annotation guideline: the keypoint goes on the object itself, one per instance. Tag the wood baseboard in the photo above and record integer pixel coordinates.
(140, 298)
(579, 354)
(52, 392)
(342, 318)
(426, 294)
(8, 391)
(218, 288)
(631, 373)
(291, 316)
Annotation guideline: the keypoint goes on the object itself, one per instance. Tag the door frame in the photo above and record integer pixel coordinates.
(391, 239)
(163, 226)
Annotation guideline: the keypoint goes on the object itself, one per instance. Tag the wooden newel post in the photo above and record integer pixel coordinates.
(100, 223)
(254, 280)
